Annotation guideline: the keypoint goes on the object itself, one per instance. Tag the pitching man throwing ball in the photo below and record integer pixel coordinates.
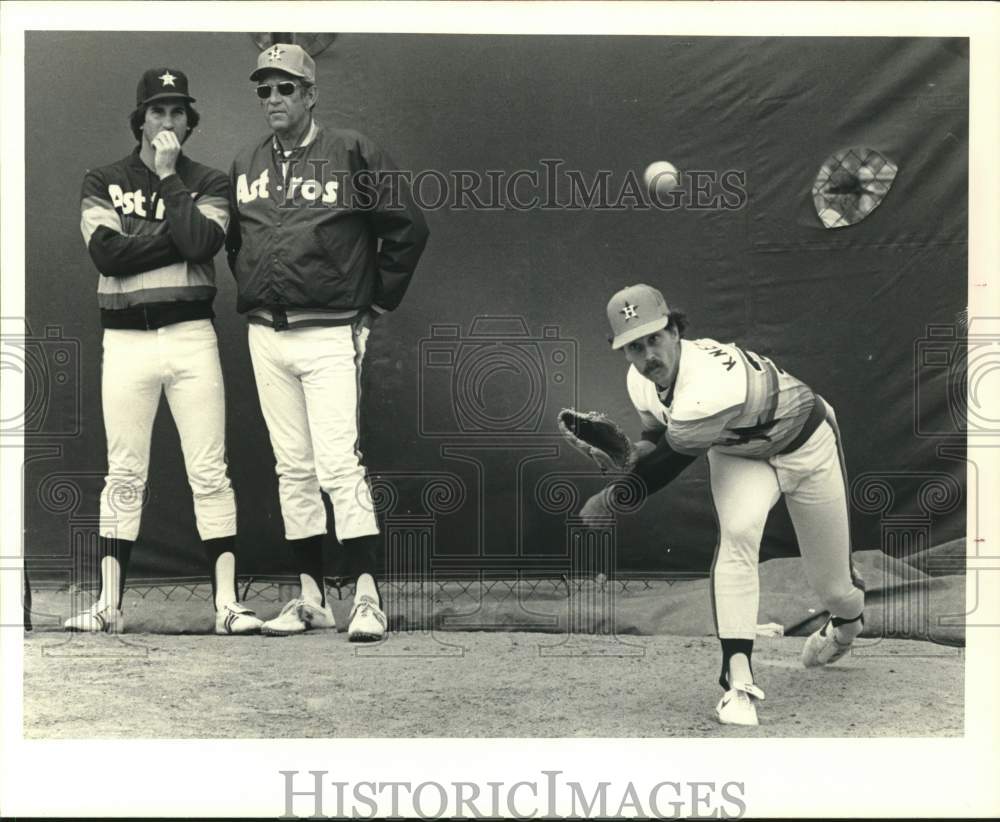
(152, 223)
(765, 434)
(320, 244)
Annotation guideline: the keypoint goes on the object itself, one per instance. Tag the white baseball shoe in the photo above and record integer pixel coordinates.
(236, 619)
(823, 647)
(367, 622)
(297, 617)
(737, 706)
(97, 620)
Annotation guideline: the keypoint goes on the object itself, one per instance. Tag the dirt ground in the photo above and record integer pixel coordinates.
(470, 685)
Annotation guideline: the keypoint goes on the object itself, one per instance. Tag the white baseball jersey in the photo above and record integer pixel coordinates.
(734, 403)
(726, 398)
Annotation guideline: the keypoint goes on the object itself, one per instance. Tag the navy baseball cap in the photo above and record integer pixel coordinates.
(635, 312)
(161, 83)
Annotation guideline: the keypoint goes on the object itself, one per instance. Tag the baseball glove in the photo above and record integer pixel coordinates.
(598, 437)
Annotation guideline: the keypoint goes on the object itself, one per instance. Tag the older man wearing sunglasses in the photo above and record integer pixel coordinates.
(324, 238)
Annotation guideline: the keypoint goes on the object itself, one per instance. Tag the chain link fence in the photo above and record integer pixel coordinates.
(277, 589)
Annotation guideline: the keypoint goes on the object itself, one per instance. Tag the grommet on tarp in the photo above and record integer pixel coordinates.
(851, 184)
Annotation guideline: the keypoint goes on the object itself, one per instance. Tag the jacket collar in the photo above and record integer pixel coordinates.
(305, 141)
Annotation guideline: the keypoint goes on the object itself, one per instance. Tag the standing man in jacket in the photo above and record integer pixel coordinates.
(152, 223)
(324, 238)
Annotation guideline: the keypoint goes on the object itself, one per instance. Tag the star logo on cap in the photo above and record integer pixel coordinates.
(630, 311)
(167, 78)
(275, 54)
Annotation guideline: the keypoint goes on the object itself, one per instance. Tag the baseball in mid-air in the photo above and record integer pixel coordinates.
(661, 177)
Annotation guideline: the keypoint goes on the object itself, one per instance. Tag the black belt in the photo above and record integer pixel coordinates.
(279, 319)
(156, 315)
(816, 416)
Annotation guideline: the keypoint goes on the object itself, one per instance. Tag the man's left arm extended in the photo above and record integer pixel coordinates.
(661, 465)
(655, 467)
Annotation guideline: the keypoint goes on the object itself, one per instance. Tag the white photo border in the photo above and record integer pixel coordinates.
(783, 777)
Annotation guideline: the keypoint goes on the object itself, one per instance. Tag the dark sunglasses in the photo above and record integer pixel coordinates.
(285, 89)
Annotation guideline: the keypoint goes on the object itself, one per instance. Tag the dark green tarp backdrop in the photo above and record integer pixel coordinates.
(504, 321)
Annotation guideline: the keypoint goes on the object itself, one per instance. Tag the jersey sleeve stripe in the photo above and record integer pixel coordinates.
(762, 394)
(695, 436)
(771, 391)
(215, 209)
(733, 410)
(94, 214)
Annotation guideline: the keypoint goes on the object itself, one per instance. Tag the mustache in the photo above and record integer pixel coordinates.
(651, 366)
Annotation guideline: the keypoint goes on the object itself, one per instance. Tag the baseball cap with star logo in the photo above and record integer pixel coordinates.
(636, 311)
(288, 58)
(160, 83)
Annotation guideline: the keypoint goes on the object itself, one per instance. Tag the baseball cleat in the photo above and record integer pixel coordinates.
(737, 706)
(299, 616)
(367, 622)
(236, 619)
(823, 647)
(96, 620)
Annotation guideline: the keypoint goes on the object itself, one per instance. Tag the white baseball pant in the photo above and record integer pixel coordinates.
(308, 382)
(182, 360)
(744, 490)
